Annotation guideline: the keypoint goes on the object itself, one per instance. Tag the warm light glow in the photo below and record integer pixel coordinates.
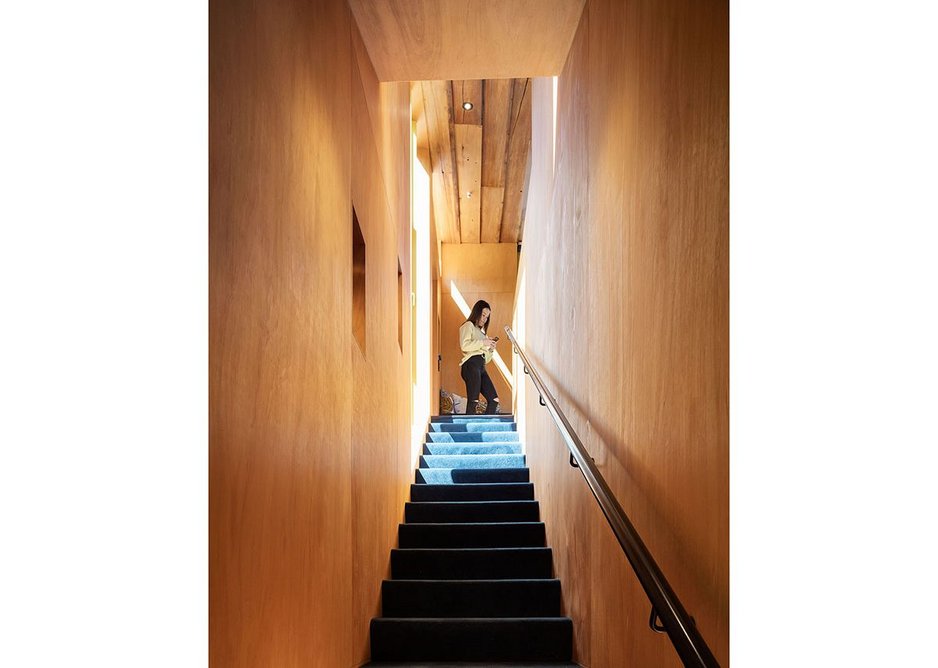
(467, 106)
(503, 369)
(518, 328)
(463, 306)
(459, 299)
(420, 287)
(553, 146)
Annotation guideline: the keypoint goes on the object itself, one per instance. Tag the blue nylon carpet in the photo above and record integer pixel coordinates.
(472, 579)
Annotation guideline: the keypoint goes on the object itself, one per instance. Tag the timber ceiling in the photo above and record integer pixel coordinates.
(478, 158)
(415, 40)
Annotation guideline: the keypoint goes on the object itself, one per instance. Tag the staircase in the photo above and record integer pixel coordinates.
(472, 578)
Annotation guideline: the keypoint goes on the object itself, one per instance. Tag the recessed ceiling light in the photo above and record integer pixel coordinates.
(467, 106)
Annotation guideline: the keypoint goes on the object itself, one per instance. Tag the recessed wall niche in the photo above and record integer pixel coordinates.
(358, 282)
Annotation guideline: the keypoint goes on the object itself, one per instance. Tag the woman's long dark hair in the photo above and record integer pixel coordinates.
(476, 314)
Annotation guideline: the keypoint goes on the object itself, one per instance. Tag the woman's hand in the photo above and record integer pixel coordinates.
(489, 343)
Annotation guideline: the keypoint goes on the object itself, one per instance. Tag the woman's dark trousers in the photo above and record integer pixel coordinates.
(473, 372)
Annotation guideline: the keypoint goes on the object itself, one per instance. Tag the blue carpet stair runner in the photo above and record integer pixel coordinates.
(472, 580)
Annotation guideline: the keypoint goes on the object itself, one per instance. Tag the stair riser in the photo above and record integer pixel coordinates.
(471, 535)
(510, 598)
(473, 492)
(463, 427)
(472, 511)
(471, 449)
(534, 563)
(462, 417)
(472, 640)
(471, 461)
(456, 476)
(474, 437)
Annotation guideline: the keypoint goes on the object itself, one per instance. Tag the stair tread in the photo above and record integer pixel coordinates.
(465, 549)
(464, 504)
(468, 664)
(539, 581)
(486, 621)
(465, 524)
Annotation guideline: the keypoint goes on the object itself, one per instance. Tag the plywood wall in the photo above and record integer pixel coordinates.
(479, 271)
(626, 314)
(308, 443)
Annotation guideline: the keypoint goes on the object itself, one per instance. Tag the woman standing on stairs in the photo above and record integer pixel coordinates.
(477, 350)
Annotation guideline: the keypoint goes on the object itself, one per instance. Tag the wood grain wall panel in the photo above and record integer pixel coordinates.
(495, 139)
(469, 180)
(300, 517)
(631, 262)
(492, 199)
(380, 193)
(438, 109)
(559, 270)
(414, 40)
(390, 125)
(468, 91)
(479, 271)
(519, 143)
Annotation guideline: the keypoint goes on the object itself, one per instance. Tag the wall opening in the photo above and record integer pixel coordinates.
(358, 282)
